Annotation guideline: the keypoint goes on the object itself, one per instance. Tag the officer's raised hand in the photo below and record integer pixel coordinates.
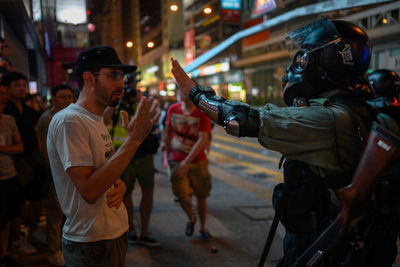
(181, 78)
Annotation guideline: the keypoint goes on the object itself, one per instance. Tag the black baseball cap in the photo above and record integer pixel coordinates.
(100, 57)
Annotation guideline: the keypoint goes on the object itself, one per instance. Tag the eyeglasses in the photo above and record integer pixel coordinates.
(114, 75)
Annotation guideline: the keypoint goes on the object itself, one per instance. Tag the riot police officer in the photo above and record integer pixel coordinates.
(382, 223)
(386, 86)
(321, 132)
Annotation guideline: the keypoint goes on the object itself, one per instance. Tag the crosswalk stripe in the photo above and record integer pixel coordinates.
(242, 183)
(244, 152)
(253, 167)
(236, 141)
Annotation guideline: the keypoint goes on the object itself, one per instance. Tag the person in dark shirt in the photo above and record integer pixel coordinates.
(28, 165)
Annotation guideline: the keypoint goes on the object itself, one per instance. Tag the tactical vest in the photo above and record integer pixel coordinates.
(118, 134)
(308, 206)
(117, 131)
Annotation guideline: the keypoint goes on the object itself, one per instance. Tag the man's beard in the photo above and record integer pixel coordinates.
(113, 103)
(101, 92)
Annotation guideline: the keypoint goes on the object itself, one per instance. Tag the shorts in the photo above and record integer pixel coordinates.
(141, 169)
(10, 200)
(102, 253)
(197, 182)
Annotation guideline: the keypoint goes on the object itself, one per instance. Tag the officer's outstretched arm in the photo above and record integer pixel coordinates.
(238, 119)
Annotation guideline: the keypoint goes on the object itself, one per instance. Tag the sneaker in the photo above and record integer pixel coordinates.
(205, 235)
(38, 237)
(57, 259)
(24, 247)
(148, 241)
(132, 237)
(190, 227)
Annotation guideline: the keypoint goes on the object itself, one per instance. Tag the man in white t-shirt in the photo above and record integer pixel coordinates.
(85, 168)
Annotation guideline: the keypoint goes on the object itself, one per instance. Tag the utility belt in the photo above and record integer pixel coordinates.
(308, 201)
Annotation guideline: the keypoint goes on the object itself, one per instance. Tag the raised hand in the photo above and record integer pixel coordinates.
(146, 116)
(181, 78)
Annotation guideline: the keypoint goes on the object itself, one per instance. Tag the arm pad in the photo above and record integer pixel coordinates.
(238, 119)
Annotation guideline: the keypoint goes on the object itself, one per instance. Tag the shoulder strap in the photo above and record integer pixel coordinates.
(358, 123)
(360, 113)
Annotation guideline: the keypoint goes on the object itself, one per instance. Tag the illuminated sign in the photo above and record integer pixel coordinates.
(236, 91)
(171, 86)
(190, 46)
(212, 69)
(231, 4)
(152, 69)
(71, 11)
(262, 6)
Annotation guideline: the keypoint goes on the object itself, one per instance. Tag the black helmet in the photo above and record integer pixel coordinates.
(385, 83)
(330, 54)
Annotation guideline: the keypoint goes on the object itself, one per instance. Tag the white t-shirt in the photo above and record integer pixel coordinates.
(77, 137)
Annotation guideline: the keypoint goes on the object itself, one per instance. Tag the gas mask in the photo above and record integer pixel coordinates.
(313, 47)
(296, 84)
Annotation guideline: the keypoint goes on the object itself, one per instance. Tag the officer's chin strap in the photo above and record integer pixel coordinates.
(278, 213)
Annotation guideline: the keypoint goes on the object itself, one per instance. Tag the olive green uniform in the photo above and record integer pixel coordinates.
(322, 143)
(322, 135)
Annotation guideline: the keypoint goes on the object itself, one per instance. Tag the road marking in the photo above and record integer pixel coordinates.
(241, 183)
(253, 167)
(244, 152)
(236, 141)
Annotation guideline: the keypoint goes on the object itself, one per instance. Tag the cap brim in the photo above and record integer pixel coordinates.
(124, 67)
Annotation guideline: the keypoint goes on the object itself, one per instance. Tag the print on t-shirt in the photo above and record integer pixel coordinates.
(187, 131)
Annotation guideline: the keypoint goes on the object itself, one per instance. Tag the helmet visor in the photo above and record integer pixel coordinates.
(311, 37)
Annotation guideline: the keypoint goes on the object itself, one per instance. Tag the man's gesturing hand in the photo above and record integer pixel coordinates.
(145, 117)
(181, 78)
(115, 196)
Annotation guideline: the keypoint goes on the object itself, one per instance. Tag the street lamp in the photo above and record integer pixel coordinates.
(173, 8)
(129, 44)
(207, 10)
(150, 44)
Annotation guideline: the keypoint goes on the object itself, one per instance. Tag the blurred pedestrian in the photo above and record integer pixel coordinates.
(186, 133)
(10, 144)
(28, 164)
(61, 97)
(141, 169)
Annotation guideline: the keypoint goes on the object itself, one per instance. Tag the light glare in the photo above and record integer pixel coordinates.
(207, 10)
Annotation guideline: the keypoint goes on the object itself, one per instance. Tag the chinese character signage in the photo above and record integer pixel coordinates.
(190, 46)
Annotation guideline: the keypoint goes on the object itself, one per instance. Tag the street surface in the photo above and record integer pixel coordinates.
(240, 212)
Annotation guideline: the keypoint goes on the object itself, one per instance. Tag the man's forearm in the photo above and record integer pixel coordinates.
(197, 147)
(95, 182)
